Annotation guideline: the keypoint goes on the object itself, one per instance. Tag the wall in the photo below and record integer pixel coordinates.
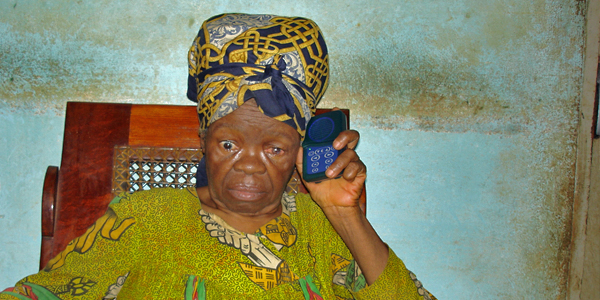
(467, 111)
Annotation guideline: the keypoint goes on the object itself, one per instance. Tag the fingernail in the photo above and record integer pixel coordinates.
(329, 173)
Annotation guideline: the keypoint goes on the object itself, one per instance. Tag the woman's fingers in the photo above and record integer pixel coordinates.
(349, 163)
(354, 169)
(348, 138)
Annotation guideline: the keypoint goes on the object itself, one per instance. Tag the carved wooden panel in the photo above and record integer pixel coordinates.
(144, 168)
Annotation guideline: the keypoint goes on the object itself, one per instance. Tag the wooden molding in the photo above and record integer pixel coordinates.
(584, 164)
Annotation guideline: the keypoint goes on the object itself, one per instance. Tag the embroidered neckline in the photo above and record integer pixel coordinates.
(279, 232)
(288, 204)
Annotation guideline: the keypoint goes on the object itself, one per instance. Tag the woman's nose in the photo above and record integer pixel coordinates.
(250, 162)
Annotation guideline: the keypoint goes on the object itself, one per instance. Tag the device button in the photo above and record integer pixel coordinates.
(315, 158)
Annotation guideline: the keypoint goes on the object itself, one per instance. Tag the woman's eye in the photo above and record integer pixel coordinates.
(276, 150)
(227, 145)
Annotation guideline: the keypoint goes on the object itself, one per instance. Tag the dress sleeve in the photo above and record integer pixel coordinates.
(396, 282)
(93, 266)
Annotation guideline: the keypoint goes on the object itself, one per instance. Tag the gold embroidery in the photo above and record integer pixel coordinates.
(280, 231)
(263, 277)
(338, 263)
(76, 287)
(82, 244)
(268, 278)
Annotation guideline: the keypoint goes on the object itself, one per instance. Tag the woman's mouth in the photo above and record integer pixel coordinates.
(246, 193)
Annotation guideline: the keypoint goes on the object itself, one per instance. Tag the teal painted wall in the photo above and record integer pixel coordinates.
(467, 111)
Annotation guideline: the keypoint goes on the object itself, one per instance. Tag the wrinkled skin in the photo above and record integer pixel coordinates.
(249, 160)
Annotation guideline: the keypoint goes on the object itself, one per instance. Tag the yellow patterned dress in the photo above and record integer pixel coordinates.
(160, 244)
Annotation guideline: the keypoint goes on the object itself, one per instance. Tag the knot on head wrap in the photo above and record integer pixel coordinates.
(280, 62)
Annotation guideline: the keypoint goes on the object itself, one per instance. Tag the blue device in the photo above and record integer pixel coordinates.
(319, 153)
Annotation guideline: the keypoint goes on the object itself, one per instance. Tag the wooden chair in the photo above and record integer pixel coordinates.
(113, 148)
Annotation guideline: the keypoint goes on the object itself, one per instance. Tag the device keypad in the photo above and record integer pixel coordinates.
(320, 158)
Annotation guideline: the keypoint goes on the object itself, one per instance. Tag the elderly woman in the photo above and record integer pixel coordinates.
(257, 80)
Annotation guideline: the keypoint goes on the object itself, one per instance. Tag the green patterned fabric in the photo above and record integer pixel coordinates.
(160, 244)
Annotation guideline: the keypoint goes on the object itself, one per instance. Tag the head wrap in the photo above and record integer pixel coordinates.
(280, 62)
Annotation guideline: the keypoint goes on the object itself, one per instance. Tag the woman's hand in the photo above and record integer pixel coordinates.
(344, 191)
(339, 200)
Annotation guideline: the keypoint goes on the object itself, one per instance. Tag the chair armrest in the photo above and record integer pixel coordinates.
(49, 200)
(49, 195)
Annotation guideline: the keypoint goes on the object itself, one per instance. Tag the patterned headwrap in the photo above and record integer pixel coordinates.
(281, 62)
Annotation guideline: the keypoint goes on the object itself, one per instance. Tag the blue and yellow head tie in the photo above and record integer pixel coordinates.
(281, 62)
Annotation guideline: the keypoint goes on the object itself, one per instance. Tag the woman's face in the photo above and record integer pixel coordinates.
(249, 160)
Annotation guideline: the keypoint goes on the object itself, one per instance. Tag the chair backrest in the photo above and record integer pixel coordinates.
(112, 148)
